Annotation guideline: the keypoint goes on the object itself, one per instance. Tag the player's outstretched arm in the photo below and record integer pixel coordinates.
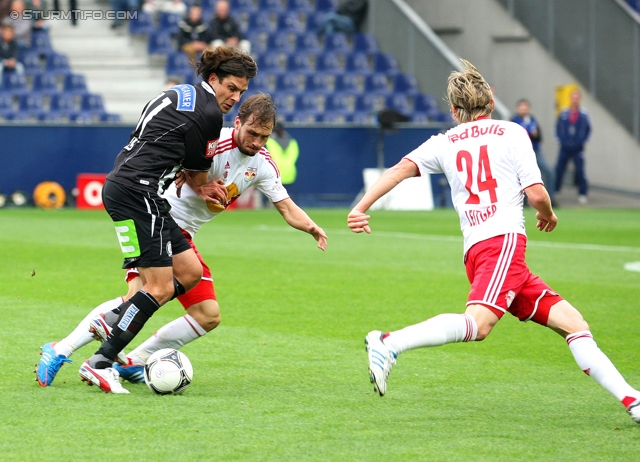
(357, 220)
(298, 219)
(539, 200)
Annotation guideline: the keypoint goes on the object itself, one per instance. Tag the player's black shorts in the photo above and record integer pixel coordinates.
(147, 234)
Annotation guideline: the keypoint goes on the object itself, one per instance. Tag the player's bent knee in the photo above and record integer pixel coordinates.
(206, 314)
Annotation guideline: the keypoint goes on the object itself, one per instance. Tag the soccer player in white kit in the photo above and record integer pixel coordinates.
(240, 161)
(489, 165)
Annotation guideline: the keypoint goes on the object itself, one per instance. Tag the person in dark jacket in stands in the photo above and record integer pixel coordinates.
(572, 129)
(225, 30)
(9, 52)
(194, 34)
(348, 18)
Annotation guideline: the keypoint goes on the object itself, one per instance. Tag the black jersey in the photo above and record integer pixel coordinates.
(177, 129)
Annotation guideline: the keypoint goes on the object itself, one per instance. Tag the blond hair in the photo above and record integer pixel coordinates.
(469, 93)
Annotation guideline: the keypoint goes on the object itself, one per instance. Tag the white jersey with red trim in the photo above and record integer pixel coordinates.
(488, 164)
(238, 171)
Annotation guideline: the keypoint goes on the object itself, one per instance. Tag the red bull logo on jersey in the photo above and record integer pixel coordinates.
(211, 148)
(475, 131)
(250, 173)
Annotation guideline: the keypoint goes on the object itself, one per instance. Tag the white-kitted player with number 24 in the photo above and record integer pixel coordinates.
(489, 164)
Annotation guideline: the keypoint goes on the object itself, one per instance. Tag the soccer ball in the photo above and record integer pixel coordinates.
(168, 372)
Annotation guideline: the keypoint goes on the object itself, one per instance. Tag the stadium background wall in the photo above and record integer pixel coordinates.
(329, 168)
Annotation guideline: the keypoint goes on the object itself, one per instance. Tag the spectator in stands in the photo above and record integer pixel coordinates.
(9, 52)
(41, 6)
(524, 118)
(21, 26)
(225, 29)
(572, 129)
(165, 6)
(5, 8)
(194, 34)
(347, 18)
(285, 151)
(123, 6)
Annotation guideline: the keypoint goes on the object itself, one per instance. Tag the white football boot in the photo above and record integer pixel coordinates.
(381, 360)
(634, 411)
(106, 379)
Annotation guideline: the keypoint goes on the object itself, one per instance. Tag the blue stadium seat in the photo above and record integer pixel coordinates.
(284, 103)
(337, 42)
(299, 6)
(260, 22)
(364, 43)
(31, 62)
(318, 83)
(45, 84)
(62, 103)
(178, 64)
(14, 83)
(365, 118)
(81, 117)
(258, 42)
(365, 103)
(169, 23)
(333, 117)
(41, 44)
(386, 64)
(337, 102)
(314, 20)
(270, 6)
(308, 42)
(326, 5)
(279, 43)
(270, 63)
(143, 24)
(445, 117)
(260, 82)
(347, 83)
(19, 116)
(110, 118)
(306, 103)
(328, 63)
(6, 104)
(357, 62)
(425, 103)
(298, 117)
(242, 6)
(405, 83)
(91, 102)
(398, 102)
(299, 62)
(50, 117)
(376, 83)
(58, 64)
(74, 84)
(419, 117)
(160, 43)
(289, 21)
(288, 83)
(31, 103)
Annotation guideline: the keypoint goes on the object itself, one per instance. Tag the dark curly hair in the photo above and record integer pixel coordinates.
(224, 61)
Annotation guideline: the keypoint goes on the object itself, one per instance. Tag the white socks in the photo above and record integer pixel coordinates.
(595, 364)
(81, 335)
(174, 335)
(439, 330)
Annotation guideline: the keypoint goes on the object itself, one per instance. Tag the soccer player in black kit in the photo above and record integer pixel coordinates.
(177, 132)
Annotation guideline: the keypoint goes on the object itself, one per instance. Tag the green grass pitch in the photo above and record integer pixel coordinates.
(285, 375)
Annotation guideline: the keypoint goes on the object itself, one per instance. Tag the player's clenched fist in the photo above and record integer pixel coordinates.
(358, 222)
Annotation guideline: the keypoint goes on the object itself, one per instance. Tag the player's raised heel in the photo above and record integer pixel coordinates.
(105, 379)
(101, 330)
(381, 360)
(634, 411)
(49, 365)
(133, 373)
